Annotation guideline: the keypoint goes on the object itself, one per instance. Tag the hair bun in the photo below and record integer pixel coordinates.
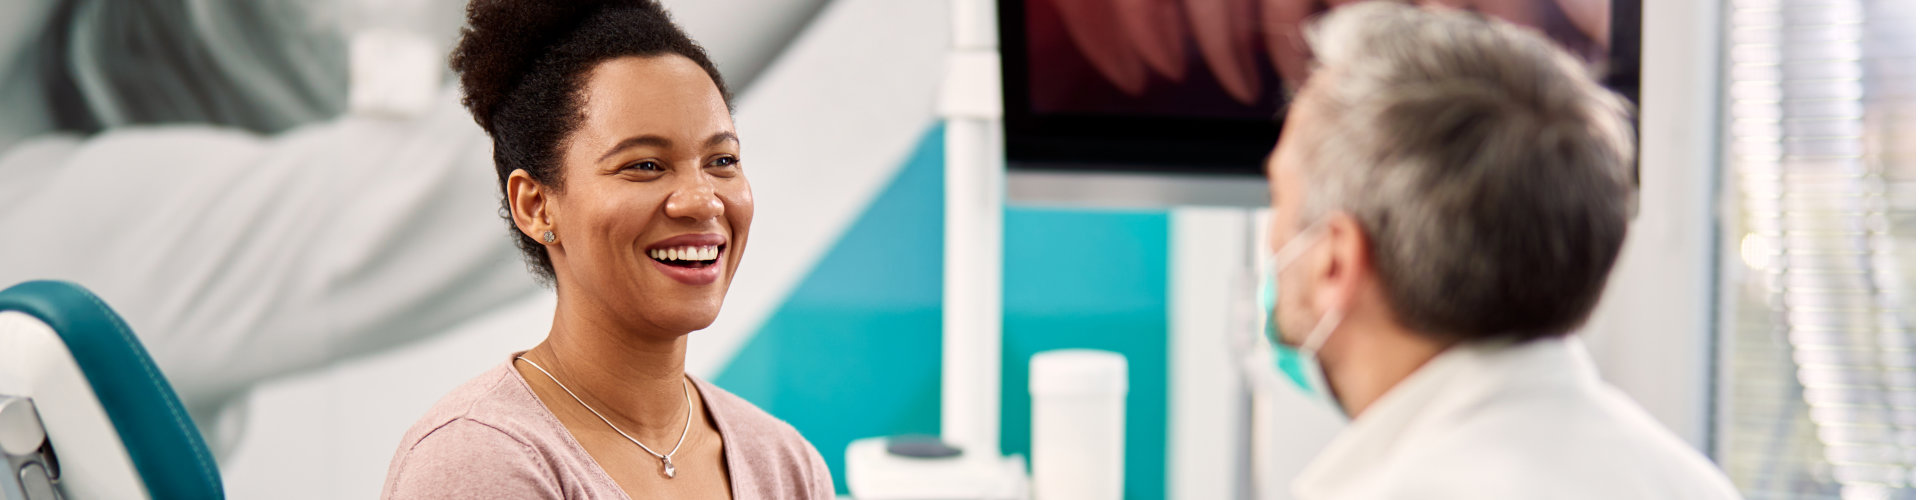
(502, 41)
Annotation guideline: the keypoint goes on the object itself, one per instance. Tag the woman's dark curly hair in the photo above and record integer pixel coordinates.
(523, 65)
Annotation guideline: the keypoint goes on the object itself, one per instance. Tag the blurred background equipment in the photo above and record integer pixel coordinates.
(262, 66)
(1079, 424)
(921, 467)
(83, 411)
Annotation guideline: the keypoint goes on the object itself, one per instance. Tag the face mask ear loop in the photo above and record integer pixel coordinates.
(1321, 332)
(1290, 251)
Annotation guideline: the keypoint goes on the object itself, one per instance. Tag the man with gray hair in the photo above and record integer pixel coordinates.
(1449, 196)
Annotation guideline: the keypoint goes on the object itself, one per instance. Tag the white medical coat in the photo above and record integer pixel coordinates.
(1532, 421)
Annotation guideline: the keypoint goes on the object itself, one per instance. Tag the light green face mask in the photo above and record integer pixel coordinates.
(1300, 364)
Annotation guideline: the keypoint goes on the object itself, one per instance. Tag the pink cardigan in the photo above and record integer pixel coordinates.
(492, 438)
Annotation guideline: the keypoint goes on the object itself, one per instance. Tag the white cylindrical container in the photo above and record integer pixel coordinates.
(1079, 424)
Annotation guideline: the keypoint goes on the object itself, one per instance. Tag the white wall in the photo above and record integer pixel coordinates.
(1652, 334)
(1207, 403)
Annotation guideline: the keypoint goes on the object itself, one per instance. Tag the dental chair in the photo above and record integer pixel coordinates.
(84, 413)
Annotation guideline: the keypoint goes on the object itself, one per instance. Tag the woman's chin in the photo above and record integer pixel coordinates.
(685, 320)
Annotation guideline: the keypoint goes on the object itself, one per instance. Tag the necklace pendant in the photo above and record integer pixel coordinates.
(666, 465)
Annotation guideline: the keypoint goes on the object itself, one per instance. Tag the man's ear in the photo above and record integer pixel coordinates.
(527, 201)
(1346, 264)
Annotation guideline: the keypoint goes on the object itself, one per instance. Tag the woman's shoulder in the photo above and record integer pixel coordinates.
(488, 436)
(497, 398)
(783, 463)
(465, 458)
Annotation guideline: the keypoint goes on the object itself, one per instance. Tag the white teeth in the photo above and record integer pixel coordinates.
(686, 253)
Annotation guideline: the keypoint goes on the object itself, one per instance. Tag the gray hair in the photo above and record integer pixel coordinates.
(1490, 172)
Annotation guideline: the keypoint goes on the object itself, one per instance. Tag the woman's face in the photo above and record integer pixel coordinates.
(653, 212)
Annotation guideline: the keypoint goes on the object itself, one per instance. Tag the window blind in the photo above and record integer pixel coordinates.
(1817, 288)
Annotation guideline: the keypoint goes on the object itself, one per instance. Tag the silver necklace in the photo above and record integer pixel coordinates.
(666, 461)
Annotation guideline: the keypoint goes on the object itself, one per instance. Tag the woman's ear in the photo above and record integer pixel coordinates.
(528, 201)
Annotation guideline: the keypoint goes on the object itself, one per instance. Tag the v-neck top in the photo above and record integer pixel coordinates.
(492, 438)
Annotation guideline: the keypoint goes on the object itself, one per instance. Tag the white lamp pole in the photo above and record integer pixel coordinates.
(975, 191)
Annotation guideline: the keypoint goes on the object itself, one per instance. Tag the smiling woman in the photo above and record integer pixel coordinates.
(622, 182)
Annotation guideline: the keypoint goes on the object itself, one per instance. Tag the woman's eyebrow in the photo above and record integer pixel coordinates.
(637, 141)
(651, 140)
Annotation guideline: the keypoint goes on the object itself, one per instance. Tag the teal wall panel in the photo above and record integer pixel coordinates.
(1098, 280)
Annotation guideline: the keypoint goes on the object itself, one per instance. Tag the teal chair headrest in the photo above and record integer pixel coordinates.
(166, 448)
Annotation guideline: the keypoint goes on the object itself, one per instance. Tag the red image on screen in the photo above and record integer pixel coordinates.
(1221, 58)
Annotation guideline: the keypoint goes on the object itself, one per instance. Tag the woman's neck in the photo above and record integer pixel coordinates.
(633, 378)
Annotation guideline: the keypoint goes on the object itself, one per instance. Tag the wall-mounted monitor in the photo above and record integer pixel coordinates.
(1184, 97)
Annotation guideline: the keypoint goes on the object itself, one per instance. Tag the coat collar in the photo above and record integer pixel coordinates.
(1450, 388)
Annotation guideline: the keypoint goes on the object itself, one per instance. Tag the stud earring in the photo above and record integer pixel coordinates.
(547, 236)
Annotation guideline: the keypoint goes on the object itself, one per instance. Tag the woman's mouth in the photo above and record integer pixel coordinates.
(691, 256)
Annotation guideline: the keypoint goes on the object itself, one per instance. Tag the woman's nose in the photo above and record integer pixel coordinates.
(695, 200)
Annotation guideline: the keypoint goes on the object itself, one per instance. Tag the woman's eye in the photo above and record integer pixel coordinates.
(646, 166)
(724, 161)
